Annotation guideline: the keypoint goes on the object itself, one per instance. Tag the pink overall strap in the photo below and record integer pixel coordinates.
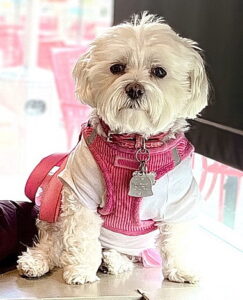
(40, 172)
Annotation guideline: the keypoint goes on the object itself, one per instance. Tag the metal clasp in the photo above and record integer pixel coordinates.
(143, 151)
(146, 157)
(109, 136)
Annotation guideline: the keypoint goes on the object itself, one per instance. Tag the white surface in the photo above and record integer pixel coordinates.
(221, 280)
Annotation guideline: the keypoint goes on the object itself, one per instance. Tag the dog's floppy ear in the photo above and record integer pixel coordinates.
(198, 82)
(81, 77)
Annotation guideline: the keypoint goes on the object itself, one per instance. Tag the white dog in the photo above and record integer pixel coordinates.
(128, 185)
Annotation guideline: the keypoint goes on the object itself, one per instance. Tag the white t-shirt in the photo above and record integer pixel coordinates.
(175, 198)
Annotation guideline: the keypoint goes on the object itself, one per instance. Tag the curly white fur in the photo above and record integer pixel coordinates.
(115, 262)
(182, 93)
(73, 242)
(180, 250)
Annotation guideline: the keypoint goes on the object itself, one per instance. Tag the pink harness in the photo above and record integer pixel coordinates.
(117, 164)
(115, 157)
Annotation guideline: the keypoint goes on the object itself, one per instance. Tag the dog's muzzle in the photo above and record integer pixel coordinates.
(134, 90)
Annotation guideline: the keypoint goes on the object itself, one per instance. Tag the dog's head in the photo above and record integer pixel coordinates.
(142, 77)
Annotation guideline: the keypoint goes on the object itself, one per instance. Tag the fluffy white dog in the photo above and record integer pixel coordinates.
(128, 186)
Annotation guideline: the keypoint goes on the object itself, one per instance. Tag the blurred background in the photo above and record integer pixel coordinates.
(39, 44)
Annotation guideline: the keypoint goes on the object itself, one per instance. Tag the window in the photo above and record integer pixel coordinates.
(221, 188)
(39, 44)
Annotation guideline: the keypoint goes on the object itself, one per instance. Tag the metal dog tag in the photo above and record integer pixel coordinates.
(151, 176)
(141, 184)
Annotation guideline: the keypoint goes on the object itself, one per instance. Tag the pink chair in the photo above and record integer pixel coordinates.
(221, 171)
(74, 113)
(10, 45)
(46, 46)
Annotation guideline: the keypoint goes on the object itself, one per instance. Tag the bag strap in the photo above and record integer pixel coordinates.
(51, 196)
(44, 187)
(41, 171)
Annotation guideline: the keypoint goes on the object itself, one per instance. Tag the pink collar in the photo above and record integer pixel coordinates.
(133, 140)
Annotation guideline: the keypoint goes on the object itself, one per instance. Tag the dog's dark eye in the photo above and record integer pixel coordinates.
(158, 72)
(117, 69)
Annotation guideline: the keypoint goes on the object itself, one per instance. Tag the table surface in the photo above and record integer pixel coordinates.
(222, 280)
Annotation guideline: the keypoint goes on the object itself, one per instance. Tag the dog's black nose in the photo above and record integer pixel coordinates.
(134, 90)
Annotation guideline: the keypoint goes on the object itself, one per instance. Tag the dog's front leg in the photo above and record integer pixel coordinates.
(179, 249)
(43, 256)
(81, 256)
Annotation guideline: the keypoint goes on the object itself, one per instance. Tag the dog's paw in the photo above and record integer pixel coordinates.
(116, 263)
(177, 275)
(32, 265)
(79, 275)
